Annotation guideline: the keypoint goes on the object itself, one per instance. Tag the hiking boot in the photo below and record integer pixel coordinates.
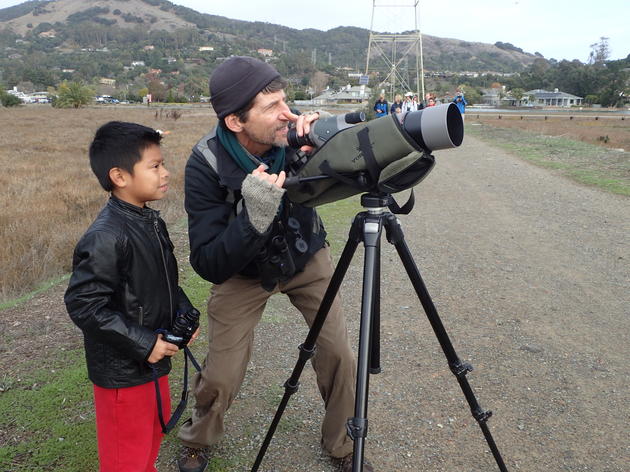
(345, 464)
(192, 460)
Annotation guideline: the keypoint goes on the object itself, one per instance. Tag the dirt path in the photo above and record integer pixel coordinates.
(529, 273)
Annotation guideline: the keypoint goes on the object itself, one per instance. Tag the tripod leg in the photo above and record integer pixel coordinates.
(358, 425)
(375, 335)
(395, 236)
(307, 349)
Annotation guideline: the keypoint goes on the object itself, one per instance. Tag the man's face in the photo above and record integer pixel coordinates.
(267, 121)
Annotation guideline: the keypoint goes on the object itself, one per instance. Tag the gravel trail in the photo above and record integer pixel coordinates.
(529, 272)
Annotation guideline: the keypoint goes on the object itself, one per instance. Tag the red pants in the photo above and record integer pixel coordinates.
(128, 426)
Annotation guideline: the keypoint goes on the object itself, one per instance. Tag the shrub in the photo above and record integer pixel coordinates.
(9, 100)
(73, 95)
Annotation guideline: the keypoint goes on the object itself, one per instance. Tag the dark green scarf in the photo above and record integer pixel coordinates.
(274, 159)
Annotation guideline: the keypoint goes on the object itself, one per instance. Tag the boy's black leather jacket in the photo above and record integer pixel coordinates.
(123, 287)
(223, 242)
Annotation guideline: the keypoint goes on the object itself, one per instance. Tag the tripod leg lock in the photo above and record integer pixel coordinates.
(460, 369)
(290, 388)
(393, 230)
(306, 354)
(481, 416)
(357, 428)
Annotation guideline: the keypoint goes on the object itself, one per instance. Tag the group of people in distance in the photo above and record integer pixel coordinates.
(411, 103)
(124, 291)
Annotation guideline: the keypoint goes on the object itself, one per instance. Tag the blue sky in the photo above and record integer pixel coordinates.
(560, 29)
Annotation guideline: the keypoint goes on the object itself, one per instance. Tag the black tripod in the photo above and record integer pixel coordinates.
(367, 227)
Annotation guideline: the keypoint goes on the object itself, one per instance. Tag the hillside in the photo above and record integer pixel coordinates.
(128, 14)
(46, 41)
(156, 15)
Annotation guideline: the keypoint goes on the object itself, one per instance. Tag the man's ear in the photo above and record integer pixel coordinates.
(233, 123)
(118, 177)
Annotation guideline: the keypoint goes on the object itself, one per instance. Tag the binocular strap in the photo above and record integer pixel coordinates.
(167, 427)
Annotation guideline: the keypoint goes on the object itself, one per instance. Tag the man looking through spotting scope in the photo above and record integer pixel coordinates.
(252, 241)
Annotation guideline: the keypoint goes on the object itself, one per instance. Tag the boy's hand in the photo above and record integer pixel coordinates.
(193, 337)
(161, 350)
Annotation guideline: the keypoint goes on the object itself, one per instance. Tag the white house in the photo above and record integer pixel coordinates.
(553, 99)
(348, 94)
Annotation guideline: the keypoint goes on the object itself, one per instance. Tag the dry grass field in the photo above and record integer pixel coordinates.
(609, 131)
(49, 194)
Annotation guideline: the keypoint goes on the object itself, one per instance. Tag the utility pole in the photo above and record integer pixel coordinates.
(392, 51)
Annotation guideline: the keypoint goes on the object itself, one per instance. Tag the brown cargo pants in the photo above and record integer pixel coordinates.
(234, 309)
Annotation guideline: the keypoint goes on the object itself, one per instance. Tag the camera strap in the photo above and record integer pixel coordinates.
(167, 427)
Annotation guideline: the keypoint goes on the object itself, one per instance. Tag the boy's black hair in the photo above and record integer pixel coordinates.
(119, 144)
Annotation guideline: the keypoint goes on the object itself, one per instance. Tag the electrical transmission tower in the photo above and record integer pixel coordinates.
(389, 54)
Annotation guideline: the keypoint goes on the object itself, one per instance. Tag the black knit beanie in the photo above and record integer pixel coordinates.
(237, 81)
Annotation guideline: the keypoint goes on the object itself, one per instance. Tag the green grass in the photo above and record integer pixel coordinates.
(584, 163)
(47, 421)
(337, 218)
(42, 288)
(50, 420)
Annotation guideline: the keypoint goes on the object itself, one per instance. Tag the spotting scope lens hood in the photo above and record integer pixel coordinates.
(435, 128)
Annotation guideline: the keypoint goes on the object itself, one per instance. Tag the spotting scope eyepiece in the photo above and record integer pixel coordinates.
(324, 129)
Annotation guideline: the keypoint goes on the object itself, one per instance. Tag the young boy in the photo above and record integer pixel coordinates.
(124, 287)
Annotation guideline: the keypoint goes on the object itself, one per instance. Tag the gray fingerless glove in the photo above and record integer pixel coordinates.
(262, 201)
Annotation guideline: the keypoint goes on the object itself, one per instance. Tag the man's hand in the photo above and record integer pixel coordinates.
(303, 125)
(273, 179)
(161, 350)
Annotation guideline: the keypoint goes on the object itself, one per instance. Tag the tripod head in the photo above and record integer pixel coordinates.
(376, 202)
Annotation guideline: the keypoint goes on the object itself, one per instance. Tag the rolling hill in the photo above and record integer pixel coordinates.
(346, 45)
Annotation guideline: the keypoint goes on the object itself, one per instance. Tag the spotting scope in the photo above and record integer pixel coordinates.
(388, 154)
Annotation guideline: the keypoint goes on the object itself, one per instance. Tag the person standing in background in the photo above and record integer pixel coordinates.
(381, 107)
(461, 102)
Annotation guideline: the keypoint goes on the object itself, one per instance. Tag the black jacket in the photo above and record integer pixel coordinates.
(123, 287)
(223, 242)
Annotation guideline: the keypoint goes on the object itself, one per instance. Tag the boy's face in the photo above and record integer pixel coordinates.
(149, 180)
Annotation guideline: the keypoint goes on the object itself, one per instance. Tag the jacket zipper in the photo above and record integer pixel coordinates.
(168, 280)
(140, 316)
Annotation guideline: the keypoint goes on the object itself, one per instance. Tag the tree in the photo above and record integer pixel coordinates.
(590, 99)
(9, 100)
(157, 91)
(73, 95)
(472, 95)
(518, 94)
(318, 81)
(600, 52)
(614, 82)
(196, 86)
